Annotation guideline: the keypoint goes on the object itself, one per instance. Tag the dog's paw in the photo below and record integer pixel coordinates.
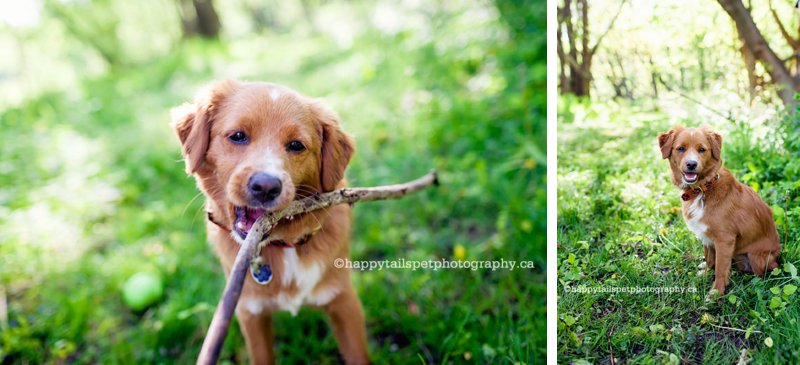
(701, 272)
(702, 265)
(713, 295)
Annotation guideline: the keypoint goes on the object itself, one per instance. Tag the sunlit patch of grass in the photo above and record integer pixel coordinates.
(102, 167)
(60, 212)
(623, 228)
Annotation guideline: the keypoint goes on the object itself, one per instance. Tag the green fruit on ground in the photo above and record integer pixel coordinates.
(142, 290)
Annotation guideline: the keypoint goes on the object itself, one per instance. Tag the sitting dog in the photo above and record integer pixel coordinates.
(731, 220)
(253, 148)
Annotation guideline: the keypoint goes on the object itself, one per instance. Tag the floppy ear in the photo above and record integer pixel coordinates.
(337, 147)
(665, 143)
(715, 140)
(192, 122)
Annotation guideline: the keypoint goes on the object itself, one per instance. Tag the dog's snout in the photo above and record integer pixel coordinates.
(691, 165)
(264, 187)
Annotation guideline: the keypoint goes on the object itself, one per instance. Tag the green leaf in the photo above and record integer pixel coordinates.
(768, 341)
(775, 302)
(789, 267)
(778, 213)
(748, 332)
(574, 337)
(752, 167)
(571, 259)
(732, 299)
(488, 351)
(789, 289)
(673, 359)
(569, 320)
(775, 290)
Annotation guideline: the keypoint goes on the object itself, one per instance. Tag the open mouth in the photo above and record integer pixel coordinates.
(245, 218)
(690, 177)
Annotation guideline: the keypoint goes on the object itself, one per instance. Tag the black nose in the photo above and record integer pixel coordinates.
(691, 165)
(263, 187)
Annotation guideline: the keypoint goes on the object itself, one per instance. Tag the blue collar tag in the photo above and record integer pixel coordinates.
(260, 271)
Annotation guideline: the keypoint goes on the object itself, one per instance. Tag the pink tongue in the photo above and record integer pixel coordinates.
(250, 218)
(246, 221)
(691, 176)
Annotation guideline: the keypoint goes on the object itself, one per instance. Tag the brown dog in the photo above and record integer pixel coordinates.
(731, 220)
(253, 148)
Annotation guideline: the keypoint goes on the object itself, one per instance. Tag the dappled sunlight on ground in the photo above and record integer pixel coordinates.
(620, 226)
(69, 205)
(93, 189)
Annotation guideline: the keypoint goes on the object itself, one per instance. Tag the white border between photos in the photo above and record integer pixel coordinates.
(552, 202)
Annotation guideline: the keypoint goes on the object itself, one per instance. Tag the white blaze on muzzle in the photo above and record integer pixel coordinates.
(687, 175)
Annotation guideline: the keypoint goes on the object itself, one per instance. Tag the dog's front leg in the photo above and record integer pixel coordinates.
(710, 255)
(347, 319)
(257, 331)
(724, 254)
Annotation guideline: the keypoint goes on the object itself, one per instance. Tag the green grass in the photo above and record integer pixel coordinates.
(92, 190)
(619, 225)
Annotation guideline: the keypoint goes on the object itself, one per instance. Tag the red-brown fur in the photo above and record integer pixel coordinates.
(740, 227)
(272, 115)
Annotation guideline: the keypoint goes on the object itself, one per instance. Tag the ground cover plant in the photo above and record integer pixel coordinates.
(92, 189)
(620, 226)
(628, 289)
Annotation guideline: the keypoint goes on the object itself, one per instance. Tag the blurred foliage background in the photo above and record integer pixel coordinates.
(92, 189)
(650, 65)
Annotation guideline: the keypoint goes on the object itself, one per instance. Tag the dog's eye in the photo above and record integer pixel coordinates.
(295, 146)
(681, 149)
(238, 137)
(701, 150)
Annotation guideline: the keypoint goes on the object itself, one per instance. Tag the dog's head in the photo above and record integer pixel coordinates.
(255, 147)
(694, 154)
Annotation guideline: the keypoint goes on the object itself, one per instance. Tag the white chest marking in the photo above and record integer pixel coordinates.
(693, 216)
(306, 279)
(322, 296)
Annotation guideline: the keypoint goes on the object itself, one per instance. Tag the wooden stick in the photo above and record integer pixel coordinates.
(212, 345)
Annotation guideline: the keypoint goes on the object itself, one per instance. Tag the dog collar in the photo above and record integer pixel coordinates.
(693, 192)
(260, 271)
(277, 242)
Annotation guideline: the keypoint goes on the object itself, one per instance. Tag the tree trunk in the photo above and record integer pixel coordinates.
(753, 39)
(207, 19)
(563, 80)
(199, 17)
(577, 60)
(582, 79)
(750, 66)
(653, 77)
(188, 18)
(794, 43)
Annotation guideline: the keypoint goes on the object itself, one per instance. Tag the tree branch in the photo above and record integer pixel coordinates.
(754, 40)
(698, 102)
(794, 43)
(583, 6)
(260, 231)
(572, 62)
(610, 25)
(567, 14)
